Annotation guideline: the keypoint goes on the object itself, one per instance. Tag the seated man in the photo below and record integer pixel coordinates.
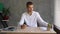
(31, 18)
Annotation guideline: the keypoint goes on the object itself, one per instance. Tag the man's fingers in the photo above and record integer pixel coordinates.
(23, 26)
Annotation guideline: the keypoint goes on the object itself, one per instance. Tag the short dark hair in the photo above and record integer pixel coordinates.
(29, 3)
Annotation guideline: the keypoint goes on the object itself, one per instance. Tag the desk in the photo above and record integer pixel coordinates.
(29, 30)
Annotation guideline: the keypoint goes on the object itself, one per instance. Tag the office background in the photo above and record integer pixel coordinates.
(17, 7)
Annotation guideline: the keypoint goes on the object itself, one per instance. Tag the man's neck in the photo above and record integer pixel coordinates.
(30, 13)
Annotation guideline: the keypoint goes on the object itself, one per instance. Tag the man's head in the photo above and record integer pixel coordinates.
(29, 6)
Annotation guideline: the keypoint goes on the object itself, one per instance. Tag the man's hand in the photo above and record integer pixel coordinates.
(49, 26)
(23, 26)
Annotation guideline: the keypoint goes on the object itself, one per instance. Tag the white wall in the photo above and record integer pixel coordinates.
(57, 13)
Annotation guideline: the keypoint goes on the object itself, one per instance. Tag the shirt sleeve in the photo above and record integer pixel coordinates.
(41, 21)
(21, 22)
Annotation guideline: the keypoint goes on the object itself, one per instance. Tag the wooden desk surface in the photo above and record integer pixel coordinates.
(30, 30)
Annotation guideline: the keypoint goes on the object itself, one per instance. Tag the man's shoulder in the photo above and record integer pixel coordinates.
(35, 12)
(24, 13)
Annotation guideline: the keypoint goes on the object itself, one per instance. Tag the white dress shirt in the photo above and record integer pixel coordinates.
(32, 20)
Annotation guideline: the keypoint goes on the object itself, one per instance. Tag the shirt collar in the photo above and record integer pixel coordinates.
(28, 14)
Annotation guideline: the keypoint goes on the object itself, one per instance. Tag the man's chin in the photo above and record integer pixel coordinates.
(30, 11)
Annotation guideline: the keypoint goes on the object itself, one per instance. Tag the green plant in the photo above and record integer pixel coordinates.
(6, 14)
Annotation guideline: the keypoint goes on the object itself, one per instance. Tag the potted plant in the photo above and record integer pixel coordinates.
(6, 14)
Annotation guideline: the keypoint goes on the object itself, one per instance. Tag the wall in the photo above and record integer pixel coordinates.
(57, 13)
(17, 7)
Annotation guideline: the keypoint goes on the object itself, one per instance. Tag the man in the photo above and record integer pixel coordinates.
(31, 18)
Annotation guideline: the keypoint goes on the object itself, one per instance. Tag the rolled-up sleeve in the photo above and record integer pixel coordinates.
(21, 22)
(41, 21)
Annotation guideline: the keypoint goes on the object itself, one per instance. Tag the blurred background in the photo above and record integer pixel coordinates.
(17, 7)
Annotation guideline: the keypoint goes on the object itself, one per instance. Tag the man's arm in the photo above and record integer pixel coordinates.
(41, 21)
(21, 22)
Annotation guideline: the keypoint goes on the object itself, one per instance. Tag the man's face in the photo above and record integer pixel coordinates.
(30, 8)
